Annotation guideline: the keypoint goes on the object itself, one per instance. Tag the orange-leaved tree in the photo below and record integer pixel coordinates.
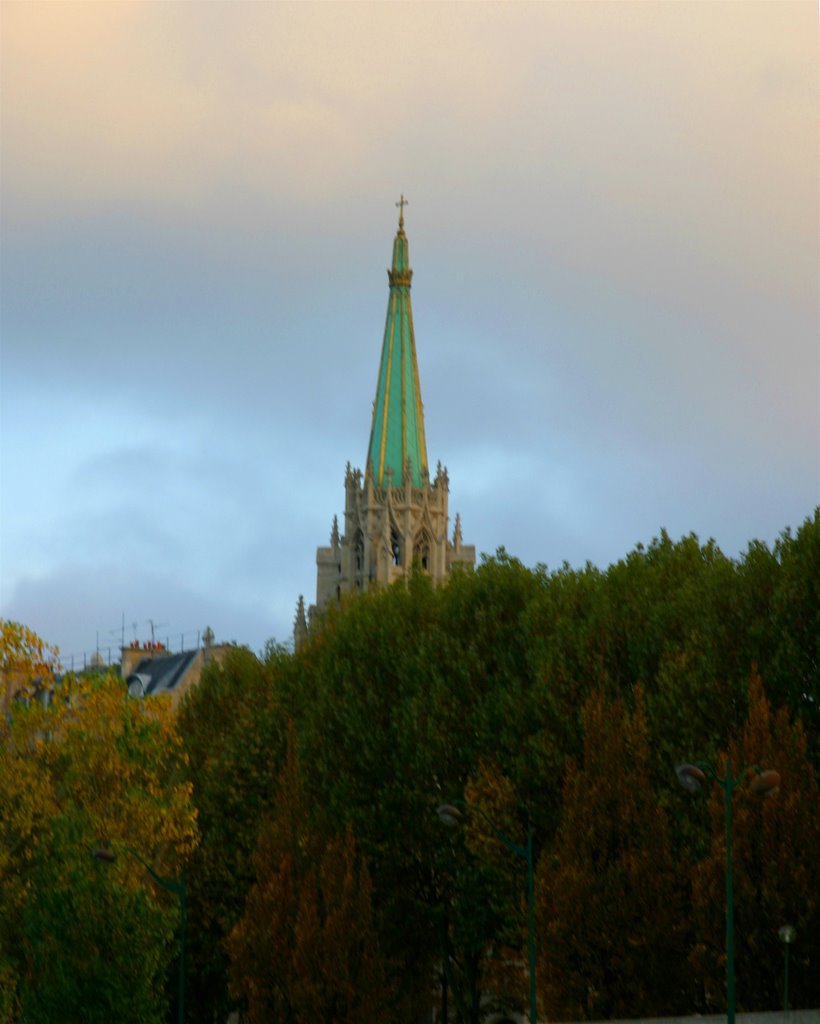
(775, 852)
(608, 905)
(306, 946)
(493, 811)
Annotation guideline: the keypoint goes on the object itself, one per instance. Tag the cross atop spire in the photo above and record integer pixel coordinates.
(401, 205)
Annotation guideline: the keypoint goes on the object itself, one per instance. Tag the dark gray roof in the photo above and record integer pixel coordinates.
(161, 675)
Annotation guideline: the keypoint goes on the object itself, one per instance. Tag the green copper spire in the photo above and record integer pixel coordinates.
(397, 433)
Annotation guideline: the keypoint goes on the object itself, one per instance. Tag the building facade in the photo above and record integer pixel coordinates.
(396, 513)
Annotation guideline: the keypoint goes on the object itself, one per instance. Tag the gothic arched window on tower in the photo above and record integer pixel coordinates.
(395, 546)
(421, 551)
(358, 548)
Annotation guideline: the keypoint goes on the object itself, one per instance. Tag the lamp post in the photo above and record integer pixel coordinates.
(179, 890)
(692, 777)
(451, 815)
(787, 936)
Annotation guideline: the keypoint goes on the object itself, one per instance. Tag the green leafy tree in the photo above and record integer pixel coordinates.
(793, 676)
(380, 698)
(511, 706)
(96, 950)
(234, 727)
(409, 688)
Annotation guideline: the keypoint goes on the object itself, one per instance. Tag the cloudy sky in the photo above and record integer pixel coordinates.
(613, 226)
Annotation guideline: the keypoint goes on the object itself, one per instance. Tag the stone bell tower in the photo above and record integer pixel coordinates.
(395, 514)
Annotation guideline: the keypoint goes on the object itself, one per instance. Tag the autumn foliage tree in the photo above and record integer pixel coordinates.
(496, 900)
(609, 908)
(82, 766)
(775, 850)
(27, 662)
(340, 975)
(306, 947)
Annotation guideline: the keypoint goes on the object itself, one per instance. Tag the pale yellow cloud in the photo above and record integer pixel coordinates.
(690, 121)
(92, 110)
(149, 101)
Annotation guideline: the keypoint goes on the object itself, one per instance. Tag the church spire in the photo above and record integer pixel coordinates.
(395, 516)
(397, 432)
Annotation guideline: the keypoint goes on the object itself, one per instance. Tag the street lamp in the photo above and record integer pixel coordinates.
(179, 890)
(787, 936)
(692, 777)
(451, 815)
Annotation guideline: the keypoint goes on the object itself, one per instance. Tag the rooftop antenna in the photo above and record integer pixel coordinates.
(154, 626)
(120, 631)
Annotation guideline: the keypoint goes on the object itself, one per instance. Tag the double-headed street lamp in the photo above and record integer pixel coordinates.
(692, 777)
(177, 887)
(450, 814)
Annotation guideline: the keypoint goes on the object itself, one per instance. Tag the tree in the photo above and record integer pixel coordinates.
(234, 727)
(775, 844)
(608, 903)
(489, 922)
(409, 687)
(26, 662)
(83, 767)
(305, 947)
(340, 976)
(795, 631)
(780, 610)
(377, 697)
(419, 694)
(96, 950)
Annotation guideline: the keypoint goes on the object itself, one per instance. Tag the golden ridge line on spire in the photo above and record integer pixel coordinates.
(401, 204)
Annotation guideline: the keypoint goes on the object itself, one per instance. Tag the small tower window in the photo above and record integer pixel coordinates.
(395, 547)
(422, 552)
